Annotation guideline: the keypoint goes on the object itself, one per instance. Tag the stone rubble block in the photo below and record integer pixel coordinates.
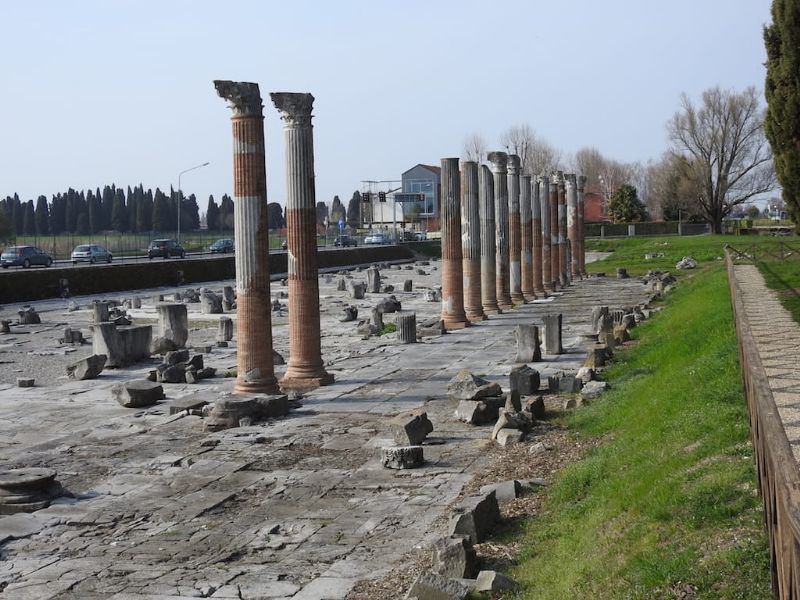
(480, 412)
(524, 380)
(508, 437)
(597, 357)
(492, 581)
(504, 491)
(25, 382)
(466, 386)
(510, 420)
(586, 374)
(137, 394)
(535, 406)
(455, 557)
(402, 457)
(594, 389)
(411, 429)
(122, 345)
(475, 517)
(430, 586)
(621, 334)
(88, 368)
(528, 344)
(357, 290)
(564, 383)
(28, 316)
(231, 411)
(162, 345)
(176, 356)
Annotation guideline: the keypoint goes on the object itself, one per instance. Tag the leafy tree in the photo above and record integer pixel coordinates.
(354, 210)
(752, 212)
(212, 214)
(275, 216)
(725, 151)
(42, 216)
(782, 120)
(625, 206)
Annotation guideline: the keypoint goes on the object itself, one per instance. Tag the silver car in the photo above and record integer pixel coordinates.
(90, 253)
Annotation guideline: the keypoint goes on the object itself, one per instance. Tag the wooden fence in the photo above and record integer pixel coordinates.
(778, 472)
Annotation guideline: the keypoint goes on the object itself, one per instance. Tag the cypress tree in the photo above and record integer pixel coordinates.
(19, 216)
(782, 89)
(212, 214)
(28, 218)
(42, 216)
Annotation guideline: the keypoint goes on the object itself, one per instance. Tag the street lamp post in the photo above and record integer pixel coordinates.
(205, 164)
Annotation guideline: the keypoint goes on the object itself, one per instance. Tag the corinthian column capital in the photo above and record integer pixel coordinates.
(244, 98)
(295, 108)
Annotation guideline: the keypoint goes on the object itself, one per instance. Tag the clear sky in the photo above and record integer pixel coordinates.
(100, 92)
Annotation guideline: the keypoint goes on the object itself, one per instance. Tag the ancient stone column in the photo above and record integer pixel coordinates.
(255, 368)
(407, 327)
(499, 162)
(572, 225)
(305, 369)
(452, 276)
(536, 222)
(563, 274)
(471, 241)
(488, 241)
(555, 269)
(581, 228)
(526, 237)
(514, 230)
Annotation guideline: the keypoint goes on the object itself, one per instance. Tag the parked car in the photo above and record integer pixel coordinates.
(375, 238)
(285, 245)
(165, 249)
(221, 247)
(407, 236)
(24, 256)
(343, 241)
(90, 253)
(420, 236)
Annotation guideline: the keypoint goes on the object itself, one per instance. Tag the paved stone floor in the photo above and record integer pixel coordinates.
(295, 508)
(777, 336)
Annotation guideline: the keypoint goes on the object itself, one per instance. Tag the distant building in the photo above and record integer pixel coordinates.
(423, 179)
(594, 208)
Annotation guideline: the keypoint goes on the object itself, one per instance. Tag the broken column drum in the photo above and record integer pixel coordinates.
(407, 327)
(547, 261)
(488, 248)
(526, 238)
(572, 226)
(563, 273)
(453, 313)
(555, 268)
(373, 281)
(471, 241)
(502, 274)
(173, 323)
(305, 368)
(536, 226)
(255, 368)
(514, 230)
(581, 250)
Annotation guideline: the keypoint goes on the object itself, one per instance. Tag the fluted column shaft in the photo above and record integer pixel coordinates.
(526, 238)
(514, 230)
(488, 241)
(305, 369)
(538, 258)
(555, 269)
(255, 368)
(544, 208)
(572, 226)
(502, 274)
(563, 274)
(581, 226)
(471, 241)
(452, 276)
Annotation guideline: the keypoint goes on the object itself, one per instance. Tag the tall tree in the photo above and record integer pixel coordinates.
(29, 218)
(6, 231)
(275, 216)
(782, 120)
(226, 212)
(625, 206)
(119, 212)
(725, 148)
(160, 212)
(212, 214)
(353, 215)
(536, 155)
(322, 212)
(475, 148)
(42, 216)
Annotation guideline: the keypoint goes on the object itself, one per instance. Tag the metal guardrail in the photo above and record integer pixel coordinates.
(778, 473)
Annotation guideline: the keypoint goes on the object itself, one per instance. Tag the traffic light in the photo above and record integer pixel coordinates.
(365, 197)
(381, 196)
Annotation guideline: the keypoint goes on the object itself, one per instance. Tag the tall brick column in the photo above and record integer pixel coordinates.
(488, 241)
(563, 274)
(499, 162)
(572, 226)
(471, 241)
(536, 223)
(452, 276)
(581, 226)
(255, 369)
(526, 237)
(555, 268)
(514, 230)
(305, 369)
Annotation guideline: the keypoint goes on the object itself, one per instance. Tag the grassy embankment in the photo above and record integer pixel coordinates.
(784, 277)
(666, 506)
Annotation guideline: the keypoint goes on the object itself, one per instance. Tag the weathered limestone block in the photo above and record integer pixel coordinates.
(475, 517)
(228, 294)
(597, 357)
(5, 326)
(552, 334)
(411, 429)
(433, 296)
(607, 339)
(100, 311)
(510, 420)
(402, 457)
(357, 290)
(505, 491)
(122, 345)
(341, 284)
(163, 345)
(629, 321)
(176, 356)
(28, 316)
(466, 386)
(535, 406)
(173, 323)
(210, 303)
(598, 315)
(524, 381)
(622, 273)
(373, 280)
(594, 389)
(408, 285)
(480, 412)
(225, 333)
(25, 382)
(407, 328)
(137, 394)
(528, 349)
(621, 334)
(508, 437)
(175, 373)
(430, 586)
(564, 383)
(455, 557)
(390, 305)
(492, 581)
(88, 368)
(228, 412)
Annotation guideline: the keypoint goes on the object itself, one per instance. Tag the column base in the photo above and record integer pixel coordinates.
(306, 383)
(540, 293)
(505, 305)
(518, 298)
(456, 324)
(265, 386)
(492, 310)
(530, 297)
(476, 316)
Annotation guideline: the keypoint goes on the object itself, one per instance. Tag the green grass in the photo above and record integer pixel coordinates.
(669, 496)
(784, 277)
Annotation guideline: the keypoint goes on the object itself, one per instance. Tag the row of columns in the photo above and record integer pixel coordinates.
(255, 366)
(507, 238)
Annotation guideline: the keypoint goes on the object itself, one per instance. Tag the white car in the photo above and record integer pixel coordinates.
(90, 253)
(375, 238)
